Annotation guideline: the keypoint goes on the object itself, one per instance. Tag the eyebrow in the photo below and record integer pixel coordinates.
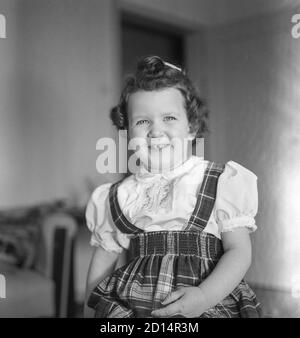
(163, 114)
(171, 113)
(138, 117)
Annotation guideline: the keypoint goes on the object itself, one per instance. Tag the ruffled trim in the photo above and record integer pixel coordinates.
(238, 168)
(99, 222)
(105, 241)
(238, 222)
(236, 202)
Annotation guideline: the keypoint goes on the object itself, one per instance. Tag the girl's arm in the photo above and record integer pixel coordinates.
(229, 271)
(102, 264)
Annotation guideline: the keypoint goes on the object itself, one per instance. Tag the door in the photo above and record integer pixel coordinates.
(142, 37)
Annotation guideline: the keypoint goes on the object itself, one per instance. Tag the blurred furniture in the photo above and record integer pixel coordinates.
(46, 288)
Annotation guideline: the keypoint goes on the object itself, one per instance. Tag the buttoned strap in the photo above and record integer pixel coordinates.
(120, 221)
(206, 197)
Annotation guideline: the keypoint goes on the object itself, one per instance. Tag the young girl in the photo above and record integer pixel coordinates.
(184, 221)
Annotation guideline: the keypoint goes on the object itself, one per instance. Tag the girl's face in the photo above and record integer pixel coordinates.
(158, 120)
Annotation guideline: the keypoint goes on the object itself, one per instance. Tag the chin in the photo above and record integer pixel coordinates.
(161, 160)
(163, 164)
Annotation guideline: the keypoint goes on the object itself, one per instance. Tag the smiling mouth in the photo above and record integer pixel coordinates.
(158, 146)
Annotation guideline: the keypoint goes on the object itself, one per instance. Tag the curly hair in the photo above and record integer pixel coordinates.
(152, 73)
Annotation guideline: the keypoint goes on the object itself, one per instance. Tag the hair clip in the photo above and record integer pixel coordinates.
(172, 66)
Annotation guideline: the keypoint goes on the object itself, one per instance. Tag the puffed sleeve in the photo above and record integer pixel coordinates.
(236, 201)
(99, 220)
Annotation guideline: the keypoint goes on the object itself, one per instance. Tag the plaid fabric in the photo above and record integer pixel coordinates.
(206, 197)
(162, 261)
(118, 217)
(162, 243)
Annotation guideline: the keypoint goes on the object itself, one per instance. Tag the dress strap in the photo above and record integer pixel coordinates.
(119, 219)
(206, 197)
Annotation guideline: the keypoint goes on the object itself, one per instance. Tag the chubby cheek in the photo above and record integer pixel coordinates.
(137, 132)
(179, 132)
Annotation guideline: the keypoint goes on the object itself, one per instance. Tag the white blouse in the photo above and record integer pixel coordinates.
(156, 202)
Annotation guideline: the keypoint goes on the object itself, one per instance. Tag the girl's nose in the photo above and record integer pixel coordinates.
(156, 130)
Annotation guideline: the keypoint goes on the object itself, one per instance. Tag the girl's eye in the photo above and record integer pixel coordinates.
(170, 118)
(141, 122)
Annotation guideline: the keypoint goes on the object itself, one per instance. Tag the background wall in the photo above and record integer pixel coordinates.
(204, 12)
(11, 145)
(253, 88)
(59, 77)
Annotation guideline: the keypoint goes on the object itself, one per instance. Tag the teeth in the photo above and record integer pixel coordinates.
(159, 146)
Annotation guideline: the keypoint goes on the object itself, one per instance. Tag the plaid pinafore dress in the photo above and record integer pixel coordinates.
(162, 261)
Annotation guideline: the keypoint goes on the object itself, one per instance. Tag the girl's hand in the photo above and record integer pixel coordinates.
(185, 301)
